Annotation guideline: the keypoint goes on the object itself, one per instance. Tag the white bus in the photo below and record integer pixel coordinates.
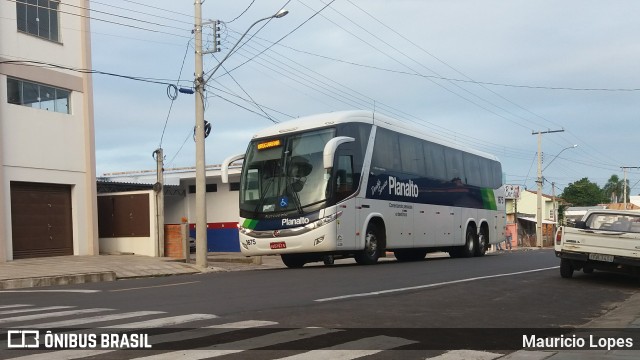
(358, 184)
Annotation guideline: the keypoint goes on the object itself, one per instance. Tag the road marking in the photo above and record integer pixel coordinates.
(78, 354)
(381, 292)
(18, 311)
(467, 354)
(155, 286)
(90, 320)
(52, 291)
(242, 345)
(208, 331)
(163, 322)
(63, 354)
(350, 350)
(52, 314)
(13, 306)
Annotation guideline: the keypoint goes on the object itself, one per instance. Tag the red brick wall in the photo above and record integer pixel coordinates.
(173, 242)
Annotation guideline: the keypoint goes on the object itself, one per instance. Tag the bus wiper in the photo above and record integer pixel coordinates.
(295, 196)
(263, 195)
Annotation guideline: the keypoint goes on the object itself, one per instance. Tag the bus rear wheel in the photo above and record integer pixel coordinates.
(372, 246)
(483, 242)
(469, 247)
(293, 261)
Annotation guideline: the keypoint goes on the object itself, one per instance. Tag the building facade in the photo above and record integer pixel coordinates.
(47, 149)
(521, 217)
(179, 203)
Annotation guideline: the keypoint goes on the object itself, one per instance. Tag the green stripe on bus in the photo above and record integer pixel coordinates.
(488, 199)
(250, 224)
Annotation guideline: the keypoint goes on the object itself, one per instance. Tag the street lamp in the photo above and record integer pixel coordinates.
(539, 240)
(200, 82)
(567, 148)
(277, 15)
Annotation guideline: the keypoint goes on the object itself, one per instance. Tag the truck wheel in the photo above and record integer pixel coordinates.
(372, 249)
(293, 261)
(566, 269)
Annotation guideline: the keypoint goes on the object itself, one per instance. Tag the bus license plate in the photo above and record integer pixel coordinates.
(281, 245)
(601, 257)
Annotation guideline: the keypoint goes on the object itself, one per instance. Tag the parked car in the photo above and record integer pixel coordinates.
(606, 240)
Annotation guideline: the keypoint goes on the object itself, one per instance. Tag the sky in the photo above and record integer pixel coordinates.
(487, 74)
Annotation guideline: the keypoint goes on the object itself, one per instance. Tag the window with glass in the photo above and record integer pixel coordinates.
(38, 96)
(411, 155)
(38, 18)
(386, 153)
(344, 184)
(454, 164)
(285, 174)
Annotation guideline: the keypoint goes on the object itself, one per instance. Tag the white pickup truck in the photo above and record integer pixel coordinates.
(604, 240)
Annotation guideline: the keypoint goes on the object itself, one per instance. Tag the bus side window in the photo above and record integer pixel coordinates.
(344, 177)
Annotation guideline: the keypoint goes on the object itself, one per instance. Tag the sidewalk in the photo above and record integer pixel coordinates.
(63, 270)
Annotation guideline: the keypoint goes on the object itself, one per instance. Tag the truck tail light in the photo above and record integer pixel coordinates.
(559, 236)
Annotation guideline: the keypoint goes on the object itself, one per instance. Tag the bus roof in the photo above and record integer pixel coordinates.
(363, 116)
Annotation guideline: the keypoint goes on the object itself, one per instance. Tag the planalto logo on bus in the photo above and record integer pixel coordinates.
(298, 221)
(402, 188)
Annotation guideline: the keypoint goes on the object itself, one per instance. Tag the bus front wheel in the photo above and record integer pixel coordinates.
(293, 261)
(372, 246)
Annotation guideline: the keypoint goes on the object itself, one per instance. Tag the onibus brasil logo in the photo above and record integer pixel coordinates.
(33, 339)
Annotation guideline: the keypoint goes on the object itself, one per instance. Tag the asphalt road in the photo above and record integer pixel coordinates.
(519, 289)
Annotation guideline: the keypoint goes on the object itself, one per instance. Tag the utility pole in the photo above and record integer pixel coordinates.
(159, 190)
(553, 199)
(539, 242)
(201, 204)
(624, 169)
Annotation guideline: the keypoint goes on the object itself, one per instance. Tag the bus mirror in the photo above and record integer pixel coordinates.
(225, 166)
(330, 149)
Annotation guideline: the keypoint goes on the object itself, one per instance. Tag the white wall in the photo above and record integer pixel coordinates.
(222, 206)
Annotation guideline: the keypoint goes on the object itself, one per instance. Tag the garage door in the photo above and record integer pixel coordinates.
(41, 220)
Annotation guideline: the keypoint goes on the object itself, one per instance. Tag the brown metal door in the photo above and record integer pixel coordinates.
(41, 220)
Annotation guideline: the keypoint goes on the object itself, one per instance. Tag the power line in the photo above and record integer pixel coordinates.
(140, 12)
(158, 8)
(246, 93)
(289, 33)
(174, 98)
(123, 17)
(113, 22)
(86, 71)
(358, 99)
(242, 13)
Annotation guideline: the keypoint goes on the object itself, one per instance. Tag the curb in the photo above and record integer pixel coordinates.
(257, 260)
(57, 280)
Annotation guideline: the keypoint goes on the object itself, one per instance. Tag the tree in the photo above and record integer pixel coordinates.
(614, 189)
(583, 193)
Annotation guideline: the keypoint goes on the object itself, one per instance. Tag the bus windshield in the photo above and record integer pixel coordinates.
(285, 174)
